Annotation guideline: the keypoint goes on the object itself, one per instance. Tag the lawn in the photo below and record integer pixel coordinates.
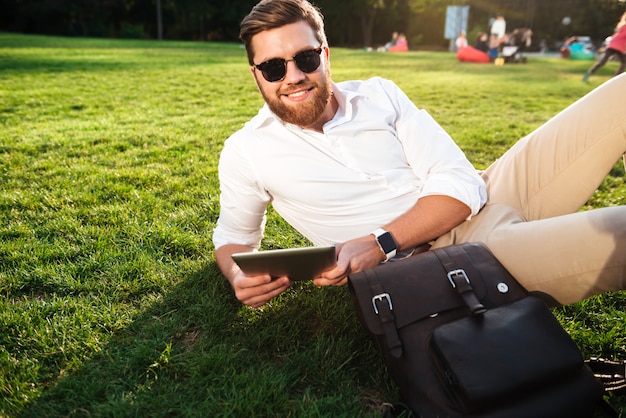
(110, 300)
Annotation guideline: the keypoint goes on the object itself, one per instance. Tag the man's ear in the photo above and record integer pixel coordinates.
(327, 56)
(253, 72)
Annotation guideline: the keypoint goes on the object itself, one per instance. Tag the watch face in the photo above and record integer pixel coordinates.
(387, 242)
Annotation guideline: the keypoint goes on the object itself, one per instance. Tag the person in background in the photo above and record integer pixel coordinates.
(616, 47)
(461, 41)
(482, 43)
(566, 48)
(392, 41)
(495, 46)
(498, 27)
(357, 165)
(497, 37)
(402, 44)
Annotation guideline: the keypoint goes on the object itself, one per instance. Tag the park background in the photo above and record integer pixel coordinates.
(350, 23)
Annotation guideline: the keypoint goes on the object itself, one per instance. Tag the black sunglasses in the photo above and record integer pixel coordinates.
(275, 69)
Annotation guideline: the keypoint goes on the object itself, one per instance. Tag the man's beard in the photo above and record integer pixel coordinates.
(302, 114)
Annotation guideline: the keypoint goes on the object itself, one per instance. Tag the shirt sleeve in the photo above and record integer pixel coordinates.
(243, 201)
(434, 157)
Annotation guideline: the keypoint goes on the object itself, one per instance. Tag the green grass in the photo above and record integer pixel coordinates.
(110, 300)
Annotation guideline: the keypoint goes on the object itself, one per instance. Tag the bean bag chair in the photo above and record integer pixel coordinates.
(584, 55)
(471, 54)
(578, 52)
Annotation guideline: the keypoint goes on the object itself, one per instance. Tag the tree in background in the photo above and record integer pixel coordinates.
(350, 23)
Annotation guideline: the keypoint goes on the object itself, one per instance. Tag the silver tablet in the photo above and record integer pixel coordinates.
(296, 263)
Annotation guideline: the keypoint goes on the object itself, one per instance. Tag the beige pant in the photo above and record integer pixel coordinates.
(532, 222)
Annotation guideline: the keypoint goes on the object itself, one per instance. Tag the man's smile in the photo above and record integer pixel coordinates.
(299, 94)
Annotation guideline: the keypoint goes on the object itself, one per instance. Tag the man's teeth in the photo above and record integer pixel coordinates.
(298, 93)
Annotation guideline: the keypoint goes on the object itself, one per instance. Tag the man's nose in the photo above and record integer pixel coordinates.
(293, 73)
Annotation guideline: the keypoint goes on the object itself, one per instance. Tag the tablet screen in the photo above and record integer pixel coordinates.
(296, 263)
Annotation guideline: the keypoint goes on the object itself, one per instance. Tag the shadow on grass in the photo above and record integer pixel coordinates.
(198, 352)
(35, 64)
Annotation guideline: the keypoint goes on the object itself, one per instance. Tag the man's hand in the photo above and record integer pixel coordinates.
(256, 291)
(431, 217)
(352, 256)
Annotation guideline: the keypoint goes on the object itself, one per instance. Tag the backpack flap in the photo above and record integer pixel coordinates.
(418, 287)
(406, 288)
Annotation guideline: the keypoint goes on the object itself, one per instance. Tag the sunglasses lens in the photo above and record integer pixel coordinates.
(308, 61)
(273, 70)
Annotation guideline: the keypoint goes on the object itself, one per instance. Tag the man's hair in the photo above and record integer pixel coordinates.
(272, 14)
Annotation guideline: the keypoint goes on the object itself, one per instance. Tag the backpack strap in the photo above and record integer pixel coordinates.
(611, 373)
(460, 269)
(383, 307)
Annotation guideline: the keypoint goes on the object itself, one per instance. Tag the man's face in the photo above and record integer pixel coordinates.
(299, 98)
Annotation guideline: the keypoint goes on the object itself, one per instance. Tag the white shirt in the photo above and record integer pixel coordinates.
(374, 160)
(498, 28)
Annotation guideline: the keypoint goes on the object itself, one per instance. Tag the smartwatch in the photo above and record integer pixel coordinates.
(386, 243)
